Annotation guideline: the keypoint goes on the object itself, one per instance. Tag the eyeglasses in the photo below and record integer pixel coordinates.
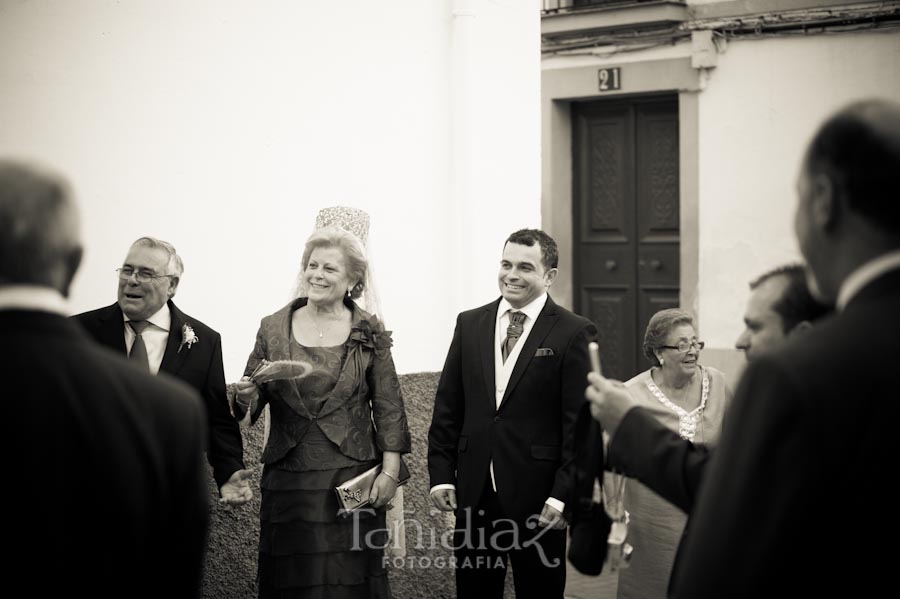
(685, 346)
(142, 276)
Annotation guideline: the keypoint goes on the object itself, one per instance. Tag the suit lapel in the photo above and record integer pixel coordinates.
(545, 321)
(112, 329)
(487, 323)
(173, 359)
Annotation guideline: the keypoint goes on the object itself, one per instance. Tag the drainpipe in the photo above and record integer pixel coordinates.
(461, 151)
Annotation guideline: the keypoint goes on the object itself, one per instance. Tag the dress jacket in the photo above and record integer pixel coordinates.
(529, 436)
(199, 365)
(111, 498)
(363, 415)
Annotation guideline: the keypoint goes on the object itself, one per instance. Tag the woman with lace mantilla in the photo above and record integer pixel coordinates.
(322, 431)
(691, 400)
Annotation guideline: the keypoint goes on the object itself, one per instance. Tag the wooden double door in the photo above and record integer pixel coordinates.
(626, 221)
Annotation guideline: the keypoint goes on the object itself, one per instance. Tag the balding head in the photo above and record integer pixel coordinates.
(848, 211)
(39, 229)
(858, 150)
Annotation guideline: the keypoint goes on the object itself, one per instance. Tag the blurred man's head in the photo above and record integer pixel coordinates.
(848, 209)
(39, 229)
(780, 305)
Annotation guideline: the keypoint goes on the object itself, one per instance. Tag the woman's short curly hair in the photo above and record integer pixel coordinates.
(350, 247)
(659, 327)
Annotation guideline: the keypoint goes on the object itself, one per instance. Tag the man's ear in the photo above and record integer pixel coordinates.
(70, 265)
(550, 276)
(825, 205)
(800, 328)
(173, 286)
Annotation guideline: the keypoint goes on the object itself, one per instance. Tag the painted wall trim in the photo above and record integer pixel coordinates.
(689, 201)
(559, 88)
(733, 8)
(582, 83)
(612, 17)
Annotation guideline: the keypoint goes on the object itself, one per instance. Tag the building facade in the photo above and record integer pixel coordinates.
(671, 137)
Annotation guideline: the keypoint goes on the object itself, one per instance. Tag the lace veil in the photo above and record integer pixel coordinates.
(354, 221)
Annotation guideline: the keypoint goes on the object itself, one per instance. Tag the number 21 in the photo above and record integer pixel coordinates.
(609, 79)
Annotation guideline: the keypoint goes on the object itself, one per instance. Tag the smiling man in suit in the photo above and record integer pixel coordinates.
(146, 326)
(500, 442)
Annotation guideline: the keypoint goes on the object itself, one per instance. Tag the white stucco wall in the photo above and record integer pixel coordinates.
(760, 107)
(224, 126)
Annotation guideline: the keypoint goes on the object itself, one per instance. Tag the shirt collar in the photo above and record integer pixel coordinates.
(162, 318)
(33, 297)
(531, 310)
(865, 274)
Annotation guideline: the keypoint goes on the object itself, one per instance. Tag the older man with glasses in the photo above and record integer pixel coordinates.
(145, 325)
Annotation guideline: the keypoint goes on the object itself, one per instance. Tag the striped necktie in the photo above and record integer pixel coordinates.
(513, 332)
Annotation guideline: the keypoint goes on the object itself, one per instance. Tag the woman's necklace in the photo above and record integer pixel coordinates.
(315, 322)
(687, 421)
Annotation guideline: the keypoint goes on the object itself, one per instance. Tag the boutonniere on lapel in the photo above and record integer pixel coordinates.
(188, 337)
(369, 333)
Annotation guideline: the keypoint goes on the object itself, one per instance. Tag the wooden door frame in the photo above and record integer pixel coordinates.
(559, 88)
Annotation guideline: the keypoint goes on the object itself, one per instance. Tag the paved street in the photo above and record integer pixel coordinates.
(579, 586)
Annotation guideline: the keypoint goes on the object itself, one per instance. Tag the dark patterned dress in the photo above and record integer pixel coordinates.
(307, 549)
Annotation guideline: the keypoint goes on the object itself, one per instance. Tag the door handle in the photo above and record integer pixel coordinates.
(611, 265)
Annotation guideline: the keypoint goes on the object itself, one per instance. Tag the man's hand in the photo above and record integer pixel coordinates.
(444, 499)
(610, 401)
(237, 491)
(552, 518)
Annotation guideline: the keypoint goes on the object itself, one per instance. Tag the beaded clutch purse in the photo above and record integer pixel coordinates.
(354, 493)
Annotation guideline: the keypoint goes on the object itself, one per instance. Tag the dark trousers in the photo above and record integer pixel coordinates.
(485, 540)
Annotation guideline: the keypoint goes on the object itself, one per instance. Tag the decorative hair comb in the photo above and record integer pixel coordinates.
(354, 220)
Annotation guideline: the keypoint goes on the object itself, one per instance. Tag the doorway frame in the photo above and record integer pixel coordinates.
(562, 86)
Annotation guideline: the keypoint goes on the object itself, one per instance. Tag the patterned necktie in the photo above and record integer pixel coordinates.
(138, 353)
(513, 332)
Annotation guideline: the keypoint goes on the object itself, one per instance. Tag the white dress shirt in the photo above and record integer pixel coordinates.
(156, 336)
(865, 274)
(33, 297)
(503, 370)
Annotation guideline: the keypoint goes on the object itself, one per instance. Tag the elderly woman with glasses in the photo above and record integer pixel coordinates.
(691, 400)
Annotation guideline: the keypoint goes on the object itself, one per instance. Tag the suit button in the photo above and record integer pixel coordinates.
(496, 419)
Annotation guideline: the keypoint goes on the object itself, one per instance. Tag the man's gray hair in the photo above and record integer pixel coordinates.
(175, 266)
(38, 225)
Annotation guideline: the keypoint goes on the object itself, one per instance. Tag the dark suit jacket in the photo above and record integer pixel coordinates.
(794, 500)
(645, 449)
(108, 485)
(529, 438)
(200, 366)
